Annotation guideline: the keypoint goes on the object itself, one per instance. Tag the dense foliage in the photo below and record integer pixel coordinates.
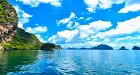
(48, 46)
(7, 13)
(24, 41)
(8, 22)
(58, 47)
(27, 41)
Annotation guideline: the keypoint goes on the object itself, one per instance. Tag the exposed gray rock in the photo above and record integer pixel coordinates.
(8, 22)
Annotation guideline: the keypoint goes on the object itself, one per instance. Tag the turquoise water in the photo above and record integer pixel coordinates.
(70, 62)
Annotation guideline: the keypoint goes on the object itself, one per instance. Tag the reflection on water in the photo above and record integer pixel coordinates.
(70, 62)
(11, 61)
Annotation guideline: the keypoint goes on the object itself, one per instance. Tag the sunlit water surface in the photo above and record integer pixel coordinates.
(70, 62)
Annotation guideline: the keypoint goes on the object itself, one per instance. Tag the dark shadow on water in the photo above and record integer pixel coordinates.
(11, 61)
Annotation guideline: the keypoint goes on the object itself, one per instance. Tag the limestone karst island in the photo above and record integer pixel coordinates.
(14, 38)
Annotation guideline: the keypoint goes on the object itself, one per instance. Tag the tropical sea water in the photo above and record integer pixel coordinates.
(70, 62)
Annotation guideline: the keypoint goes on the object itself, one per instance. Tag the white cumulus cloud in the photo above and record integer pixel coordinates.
(123, 28)
(64, 36)
(128, 38)
(130, 5)
(81, 33)
(23, 16)
(35, 3)
(38, 29)
(99, 32)
(93, 28)
(92, 5)
(68, 21)
(132, 8)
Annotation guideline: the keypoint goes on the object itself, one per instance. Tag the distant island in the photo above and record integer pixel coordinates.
(69, 48)
(102, 47)
(123, 48)
(136, 48)
(98, 47)
(50, 46)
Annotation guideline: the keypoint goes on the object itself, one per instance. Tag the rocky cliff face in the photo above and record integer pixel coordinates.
(8, 22)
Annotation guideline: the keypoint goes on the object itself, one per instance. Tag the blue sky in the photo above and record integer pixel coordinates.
(81, 23)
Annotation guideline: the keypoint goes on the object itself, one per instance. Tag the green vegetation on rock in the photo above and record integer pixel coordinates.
(58, 47)
(27, 41)
(48, 46)
(7, 13)
(8, 23)
(23, 41)
(13, 38)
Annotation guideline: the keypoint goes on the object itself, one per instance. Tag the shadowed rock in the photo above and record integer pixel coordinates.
(102, 47)
(136, 48)
(123, 48)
